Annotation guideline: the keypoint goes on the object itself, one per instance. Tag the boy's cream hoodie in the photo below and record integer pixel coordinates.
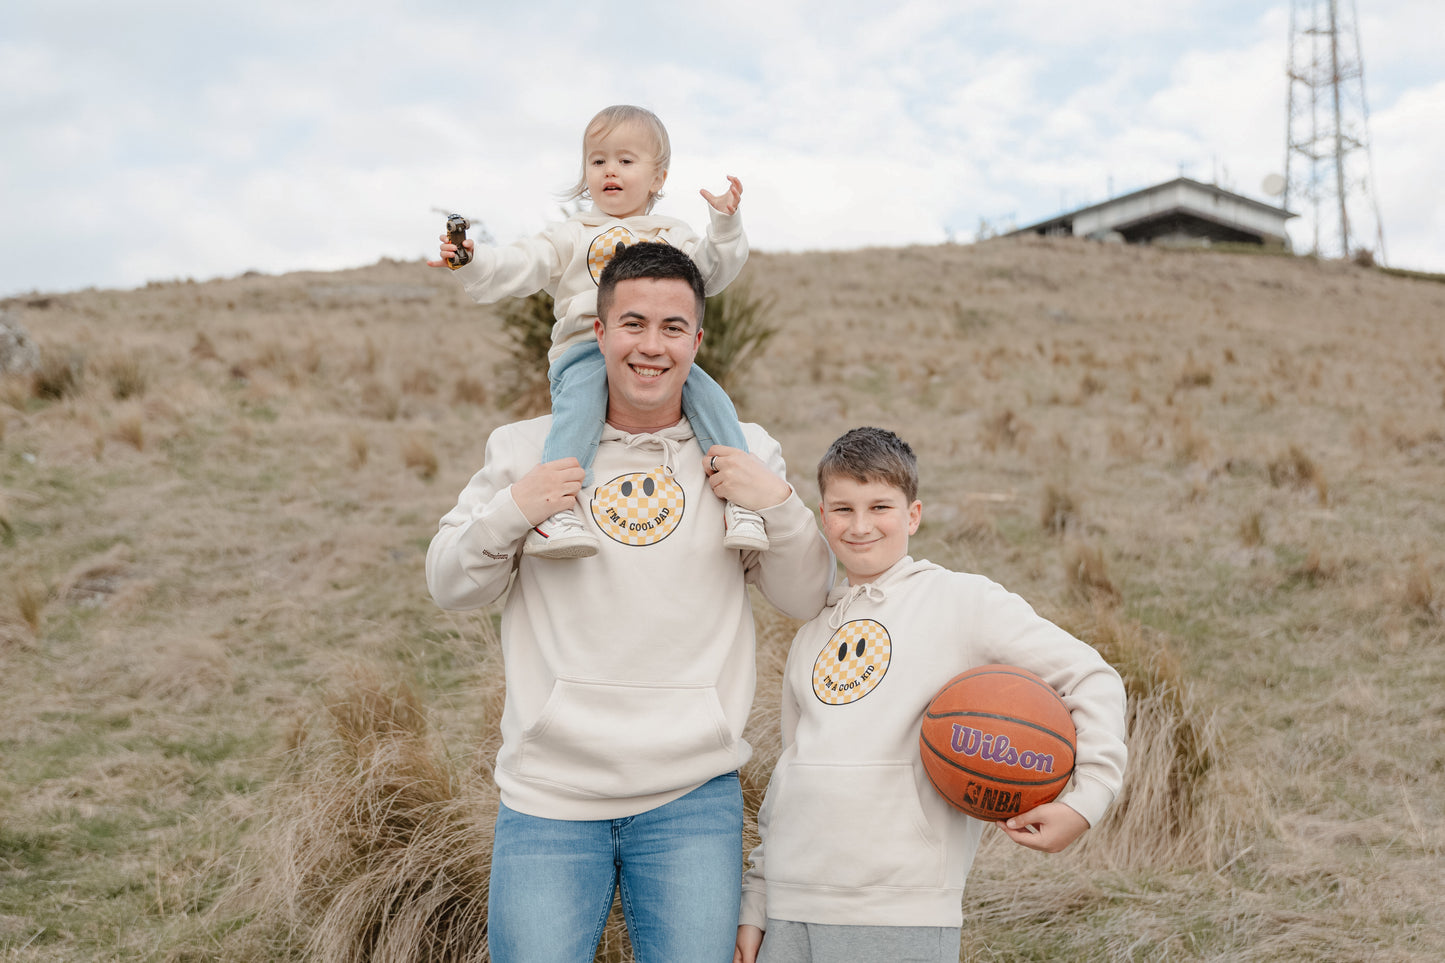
(852, 830)
(630, 674)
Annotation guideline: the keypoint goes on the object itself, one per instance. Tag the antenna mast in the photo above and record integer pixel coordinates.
(1327, 168)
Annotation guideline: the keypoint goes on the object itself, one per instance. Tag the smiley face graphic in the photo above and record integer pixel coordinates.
(641, 508)
(852, 663)
(604, 245)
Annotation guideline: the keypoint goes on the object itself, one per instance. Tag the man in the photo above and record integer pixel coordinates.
(629, 674)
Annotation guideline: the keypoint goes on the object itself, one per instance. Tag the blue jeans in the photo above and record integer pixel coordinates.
(579, 408)
(679, 868)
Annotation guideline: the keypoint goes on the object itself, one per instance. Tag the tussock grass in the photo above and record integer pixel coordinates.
(30, 597)
(1419, 592)
(1059, 512)
(358, 448)
(126, 376)
(1164, 815)
(470, 391)
(130, 428)
(1297, 469)
(61, 375)
(381, 850)
(1005, 430)
(381, 398)
(419, 456)
(1087, 572)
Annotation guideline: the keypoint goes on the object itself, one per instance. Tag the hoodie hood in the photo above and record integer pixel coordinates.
(844, 595)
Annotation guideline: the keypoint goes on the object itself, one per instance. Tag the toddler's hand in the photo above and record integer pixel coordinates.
(448, 249)
(727, 202)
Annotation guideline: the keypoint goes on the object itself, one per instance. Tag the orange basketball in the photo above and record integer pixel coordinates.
(997, 741)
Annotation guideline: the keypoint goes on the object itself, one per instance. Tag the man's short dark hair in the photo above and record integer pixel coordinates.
(649, 260)
(871, 455)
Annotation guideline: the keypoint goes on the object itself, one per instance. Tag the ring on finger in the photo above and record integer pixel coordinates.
(714, 464)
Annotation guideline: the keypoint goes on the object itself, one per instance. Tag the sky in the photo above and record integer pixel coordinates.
(150, 140)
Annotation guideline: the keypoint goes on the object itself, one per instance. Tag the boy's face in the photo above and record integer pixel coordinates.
(867, 525)
(622, 172)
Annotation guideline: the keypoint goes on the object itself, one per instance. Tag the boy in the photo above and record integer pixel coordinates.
(860, 858)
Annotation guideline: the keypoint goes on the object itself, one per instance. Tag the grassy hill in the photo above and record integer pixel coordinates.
(1224, 469)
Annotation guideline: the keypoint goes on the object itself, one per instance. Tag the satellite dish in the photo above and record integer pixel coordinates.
(1273, 185)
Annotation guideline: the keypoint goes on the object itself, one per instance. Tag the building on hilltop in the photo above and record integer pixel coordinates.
(1181, 211)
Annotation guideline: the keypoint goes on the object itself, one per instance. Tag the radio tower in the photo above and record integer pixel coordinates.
(1327, 157)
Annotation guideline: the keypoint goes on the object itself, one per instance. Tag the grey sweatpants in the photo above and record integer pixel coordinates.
(789, 942)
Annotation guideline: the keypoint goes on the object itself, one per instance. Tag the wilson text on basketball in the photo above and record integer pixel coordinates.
(969, 741)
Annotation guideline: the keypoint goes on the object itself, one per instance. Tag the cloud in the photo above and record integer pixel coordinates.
(170, 140)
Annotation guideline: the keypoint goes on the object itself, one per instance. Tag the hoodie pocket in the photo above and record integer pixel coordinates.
(852, 826)
(612, 740)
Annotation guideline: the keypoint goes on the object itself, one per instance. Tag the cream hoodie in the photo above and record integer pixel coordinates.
(852, 830)
(630, 674)
(567, 259)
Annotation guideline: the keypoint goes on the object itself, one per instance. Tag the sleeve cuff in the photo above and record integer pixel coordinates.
(788, 517)
(754, 910)
(494, 532)
(725, 227)
(1088, 798)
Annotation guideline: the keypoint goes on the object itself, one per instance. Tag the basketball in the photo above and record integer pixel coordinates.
(997, 741)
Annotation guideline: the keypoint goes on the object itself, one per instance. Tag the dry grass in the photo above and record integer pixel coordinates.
(419, 455)
(378, 850)
(30, 599)
(1246, 458)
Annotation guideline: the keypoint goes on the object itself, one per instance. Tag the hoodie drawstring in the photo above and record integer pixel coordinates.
(870, 590)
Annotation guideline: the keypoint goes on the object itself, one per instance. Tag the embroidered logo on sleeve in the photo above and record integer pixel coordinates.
(852, 663)
(641, 508)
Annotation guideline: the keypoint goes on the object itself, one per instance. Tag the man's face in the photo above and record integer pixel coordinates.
(649, 340)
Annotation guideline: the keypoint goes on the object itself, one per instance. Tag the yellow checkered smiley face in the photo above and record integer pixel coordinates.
(641, 508)
(604, 245)
(852, 663)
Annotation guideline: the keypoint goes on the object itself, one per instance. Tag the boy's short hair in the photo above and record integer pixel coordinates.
(649, 259)
(871, 454)
(609, 119)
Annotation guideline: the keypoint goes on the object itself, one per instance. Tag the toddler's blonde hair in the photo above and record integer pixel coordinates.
(609, 119)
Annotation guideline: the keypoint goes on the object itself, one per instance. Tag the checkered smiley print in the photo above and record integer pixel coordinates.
(641, 508)
(852, 663)
(604, 245)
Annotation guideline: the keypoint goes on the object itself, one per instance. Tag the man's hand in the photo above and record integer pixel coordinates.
(1058, 825)
(749, 939)
(740, 477)
(448, 249)
(548, 488)
(727, 202)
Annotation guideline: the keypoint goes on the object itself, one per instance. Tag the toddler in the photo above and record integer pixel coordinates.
(625, 157)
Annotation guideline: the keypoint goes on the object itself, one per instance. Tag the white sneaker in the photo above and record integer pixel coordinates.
(561, 536)
(745, 529)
